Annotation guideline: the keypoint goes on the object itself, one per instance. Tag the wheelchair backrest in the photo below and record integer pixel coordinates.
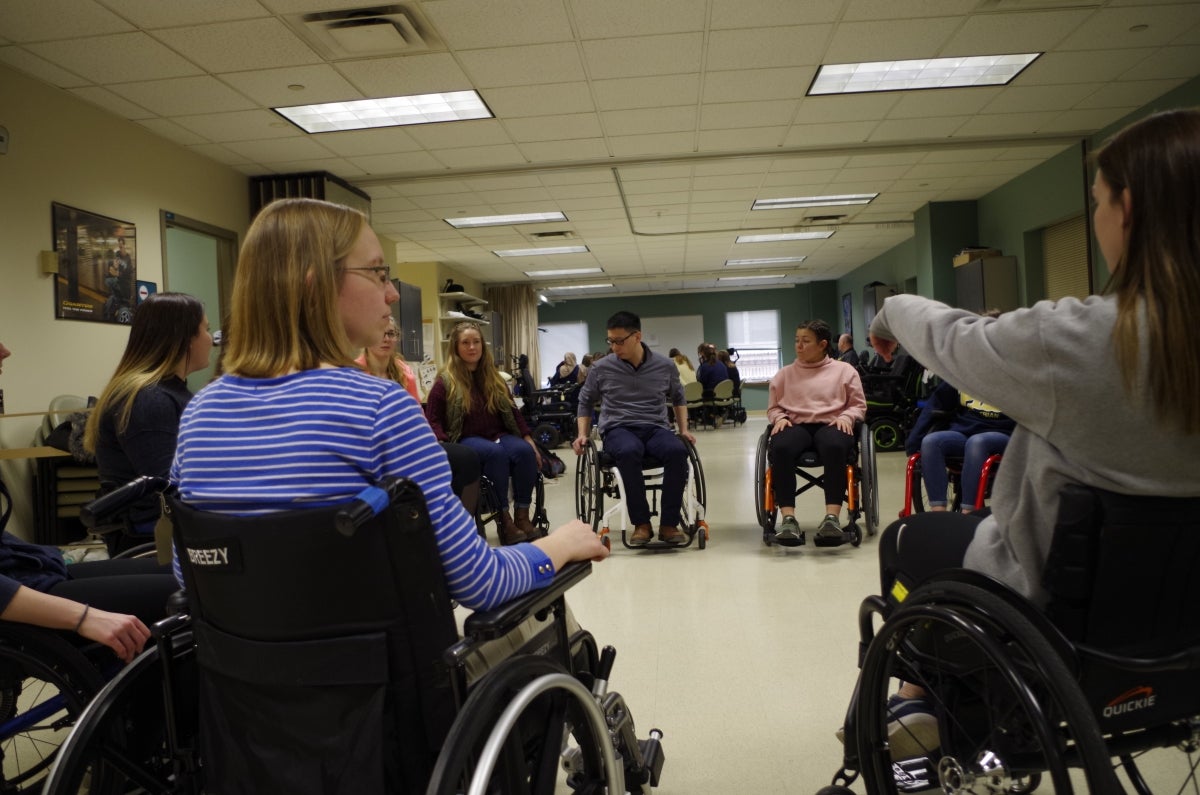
(1124, 571)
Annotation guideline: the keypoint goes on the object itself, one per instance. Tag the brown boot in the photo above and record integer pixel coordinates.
(641, 535)
(525, 525)
(509, 532)
(672, 535)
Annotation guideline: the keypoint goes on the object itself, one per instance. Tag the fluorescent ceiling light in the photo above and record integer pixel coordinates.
(504, 220)
(563, 272)
(748, 278)
(813, 201)
(784, 236)
(540, 252)
(736, 263)
(974, 70)
(580, 286)
(362, 114)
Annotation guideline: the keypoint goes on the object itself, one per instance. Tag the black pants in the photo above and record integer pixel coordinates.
(834, 447)
(136, 586)
(913, 549)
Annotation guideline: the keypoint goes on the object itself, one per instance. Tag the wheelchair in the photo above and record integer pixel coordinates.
(915, 503)
(267, 684)
(550, 413)
(862, 489)
(1099, 681)
(892, 397)
(597, 478)
(487, 509)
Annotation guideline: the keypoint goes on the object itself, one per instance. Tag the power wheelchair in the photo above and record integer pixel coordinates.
(550, 413)
(1105, 677)
(862, 488)
(892, 396)
(270, 683)
(597, 478)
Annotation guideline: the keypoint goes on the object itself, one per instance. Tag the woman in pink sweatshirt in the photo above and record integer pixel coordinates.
(813, 403)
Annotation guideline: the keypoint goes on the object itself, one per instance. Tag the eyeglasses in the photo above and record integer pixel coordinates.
(391, 335)
(383, 273)
(611, 341)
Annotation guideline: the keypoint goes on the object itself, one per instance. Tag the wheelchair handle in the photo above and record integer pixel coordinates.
(367, 504)
(102, 509)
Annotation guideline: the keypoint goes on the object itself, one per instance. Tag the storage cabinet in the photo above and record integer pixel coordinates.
(987, 283)
(407, 312)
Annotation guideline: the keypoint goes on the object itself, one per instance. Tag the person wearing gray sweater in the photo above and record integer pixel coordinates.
(1105, 391)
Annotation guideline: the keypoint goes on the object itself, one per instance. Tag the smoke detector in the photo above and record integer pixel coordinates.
(367, 32)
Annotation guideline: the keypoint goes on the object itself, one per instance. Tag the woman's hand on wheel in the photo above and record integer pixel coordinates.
(125, 635)
(571, 542)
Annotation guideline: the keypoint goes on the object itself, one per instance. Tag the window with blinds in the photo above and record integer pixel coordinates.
(1065, 256)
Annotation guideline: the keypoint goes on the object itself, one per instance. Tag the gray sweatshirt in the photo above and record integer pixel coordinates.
(1052, 368)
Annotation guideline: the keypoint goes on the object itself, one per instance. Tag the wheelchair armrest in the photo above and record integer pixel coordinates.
(499, 621)
(105, 509)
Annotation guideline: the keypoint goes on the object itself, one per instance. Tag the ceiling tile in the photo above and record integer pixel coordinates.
(36, 66)
(369, 142)
(560, 151)
(827, 134)
(942, 102)
(219, 153)
(529, 65)
(646, 92)
(58, 19)
(239, 45)
(761, 48)
(480, 24)
(1081, 66)
(184, 95)
(455, 134)
(745, 85)
(273, 87)
(111, 102)
(1003, 33)
(554, 128)
(644, 186)
(641, 56)
(540, 100)
(893, 39)
(1110, 27)
(857, 10)
(853, 107)
(280, 149)
(728, 115)
(245, 125)
(334, 165)
(616, 18)
(116, 59)
(412, 74)
(171, 131)
(1126, 93)
(1005, 124)
(1089, 119)
(641, 122)
(1015, 99)
(768, 13)
(1166, 63)
(149, 14)
(476, 156)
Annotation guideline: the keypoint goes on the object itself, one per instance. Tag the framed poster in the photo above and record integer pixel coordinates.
(97, 266)
(848, 314)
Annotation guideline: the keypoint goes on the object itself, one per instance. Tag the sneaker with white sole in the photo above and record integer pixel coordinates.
(830, 528)
(789, 529)
(912, 727)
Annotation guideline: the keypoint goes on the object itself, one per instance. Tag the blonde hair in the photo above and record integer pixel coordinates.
(459, 379)
(164, 326)
(1157, 160)
(391, 371)
(284, 314)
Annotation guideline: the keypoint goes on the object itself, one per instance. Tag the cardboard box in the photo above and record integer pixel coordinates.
(968, 254)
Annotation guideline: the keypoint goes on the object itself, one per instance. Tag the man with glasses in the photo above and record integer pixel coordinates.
(633, 385)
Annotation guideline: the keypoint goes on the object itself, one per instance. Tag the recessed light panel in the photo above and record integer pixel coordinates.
(973, 70)
(743, 263)
(749, 278)
(361, 114)
(775, 238)
(562, 272)
(504, 220)
(540, 252)
(580, 286)
(838, 200)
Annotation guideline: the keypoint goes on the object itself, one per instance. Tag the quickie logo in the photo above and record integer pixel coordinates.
(1138, 698)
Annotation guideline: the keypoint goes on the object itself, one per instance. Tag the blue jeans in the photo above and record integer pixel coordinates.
(974, 450)
(628, 445)
(507, 455)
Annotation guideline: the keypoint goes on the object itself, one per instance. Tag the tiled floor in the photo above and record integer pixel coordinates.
(744, 656)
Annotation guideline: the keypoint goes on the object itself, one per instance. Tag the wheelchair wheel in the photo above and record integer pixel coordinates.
(697, 475)
(869, 480)
(530, 758)
(547, 436)
(888, 434)
(45, 683)
(996, 685)
(589, 490)
(766, 518)
(119, 744)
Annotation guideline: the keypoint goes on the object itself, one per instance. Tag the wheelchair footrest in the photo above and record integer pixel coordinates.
(799, 541)
(829, 541)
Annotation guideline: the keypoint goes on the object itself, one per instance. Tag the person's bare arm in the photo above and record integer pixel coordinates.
(125, 635)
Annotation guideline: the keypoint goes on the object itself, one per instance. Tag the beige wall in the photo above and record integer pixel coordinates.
(63, 149)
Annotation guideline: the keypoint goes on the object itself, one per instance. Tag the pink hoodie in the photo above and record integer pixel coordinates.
(819, 392)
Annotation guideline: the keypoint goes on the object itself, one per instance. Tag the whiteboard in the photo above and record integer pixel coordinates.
(684, 332)
(555, 339)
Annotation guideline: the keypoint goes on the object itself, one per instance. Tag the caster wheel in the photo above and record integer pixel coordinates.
(855, 535)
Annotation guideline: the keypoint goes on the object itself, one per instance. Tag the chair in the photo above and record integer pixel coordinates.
(1094, 682)
(61, 485)
(719, 404)
(321, 656)
(597, 478)
(862, 487)
(693, 395)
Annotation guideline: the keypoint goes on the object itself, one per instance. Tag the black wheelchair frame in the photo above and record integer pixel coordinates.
(892, 397)
(1020, 694)
(487, 509)
(597, 478)
(164, 751)
(862, 488)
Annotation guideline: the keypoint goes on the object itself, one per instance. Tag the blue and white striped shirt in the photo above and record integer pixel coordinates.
(316, 438)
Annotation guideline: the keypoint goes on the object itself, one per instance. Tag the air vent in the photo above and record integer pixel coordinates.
(367, 32)
(562, 234)
(823, 219)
